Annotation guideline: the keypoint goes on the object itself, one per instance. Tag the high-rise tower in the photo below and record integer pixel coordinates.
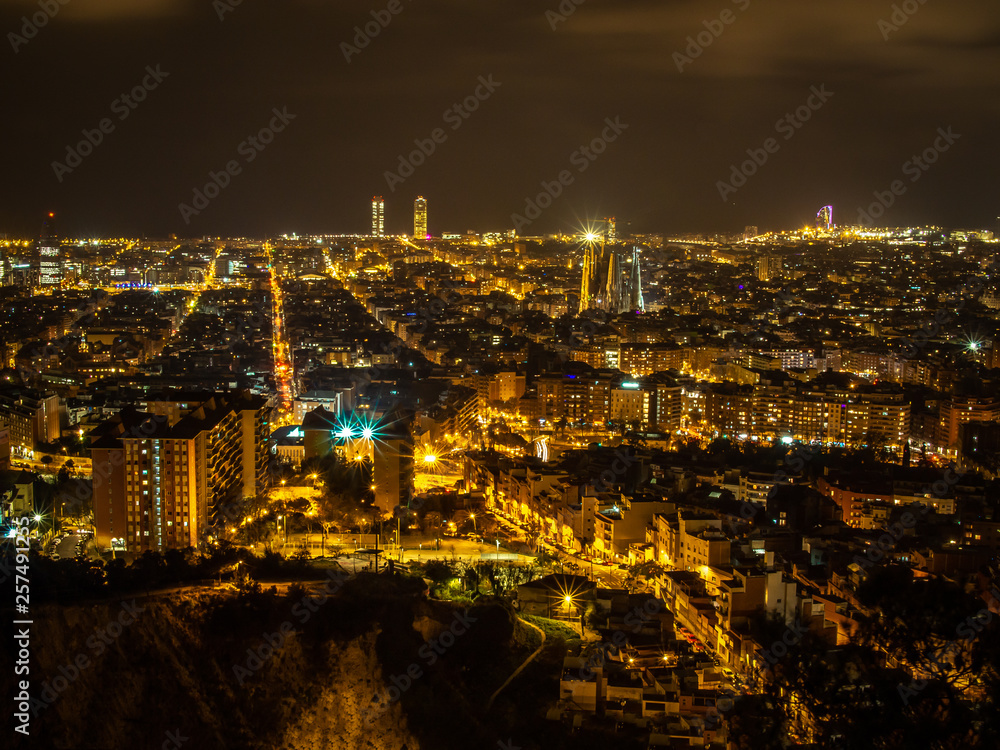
(635, 302)
(824, 219)
(420, 217)
(50, 271)
(610, 231)
(378, 216)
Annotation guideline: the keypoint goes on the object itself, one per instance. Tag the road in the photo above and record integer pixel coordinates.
(66, 548)
(415, 548)
(284, 370)
(525, 663)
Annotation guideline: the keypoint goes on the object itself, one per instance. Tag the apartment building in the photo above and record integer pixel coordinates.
(159, 481)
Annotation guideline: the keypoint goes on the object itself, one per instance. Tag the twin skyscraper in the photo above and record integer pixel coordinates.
(419, 217)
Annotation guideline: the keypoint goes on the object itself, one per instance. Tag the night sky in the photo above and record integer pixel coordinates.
(557, 87)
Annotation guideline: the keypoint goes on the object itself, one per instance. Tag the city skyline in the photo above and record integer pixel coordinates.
(746, 433)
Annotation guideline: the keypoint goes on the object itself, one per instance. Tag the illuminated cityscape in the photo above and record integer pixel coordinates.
(678, 427)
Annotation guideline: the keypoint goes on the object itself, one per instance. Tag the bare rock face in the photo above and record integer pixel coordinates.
(354, 709)
(430, 619)
(170, 671)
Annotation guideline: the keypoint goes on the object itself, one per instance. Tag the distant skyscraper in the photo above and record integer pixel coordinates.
(420, 217)
(636, 301)
(50, 270)
(378, 216)
(824, 219)
(749, 233)
(610, 231)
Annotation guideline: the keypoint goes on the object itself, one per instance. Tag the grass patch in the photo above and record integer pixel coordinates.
(555, 630)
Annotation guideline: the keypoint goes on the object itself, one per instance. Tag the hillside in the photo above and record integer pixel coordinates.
(346, 672)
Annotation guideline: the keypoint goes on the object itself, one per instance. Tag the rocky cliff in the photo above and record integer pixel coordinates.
(284, 669)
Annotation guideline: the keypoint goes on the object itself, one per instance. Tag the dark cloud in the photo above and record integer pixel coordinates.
(609, 58)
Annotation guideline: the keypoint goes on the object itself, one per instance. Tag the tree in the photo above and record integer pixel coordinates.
(642, 573)
(439, 572)
(488, 526)
(471, 578)
(432, 523)
(546, 559)
(260, 530)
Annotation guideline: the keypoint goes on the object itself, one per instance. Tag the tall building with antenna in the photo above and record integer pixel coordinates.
(378, 216)
(50, 270)
(420, 217)
(610, 230)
